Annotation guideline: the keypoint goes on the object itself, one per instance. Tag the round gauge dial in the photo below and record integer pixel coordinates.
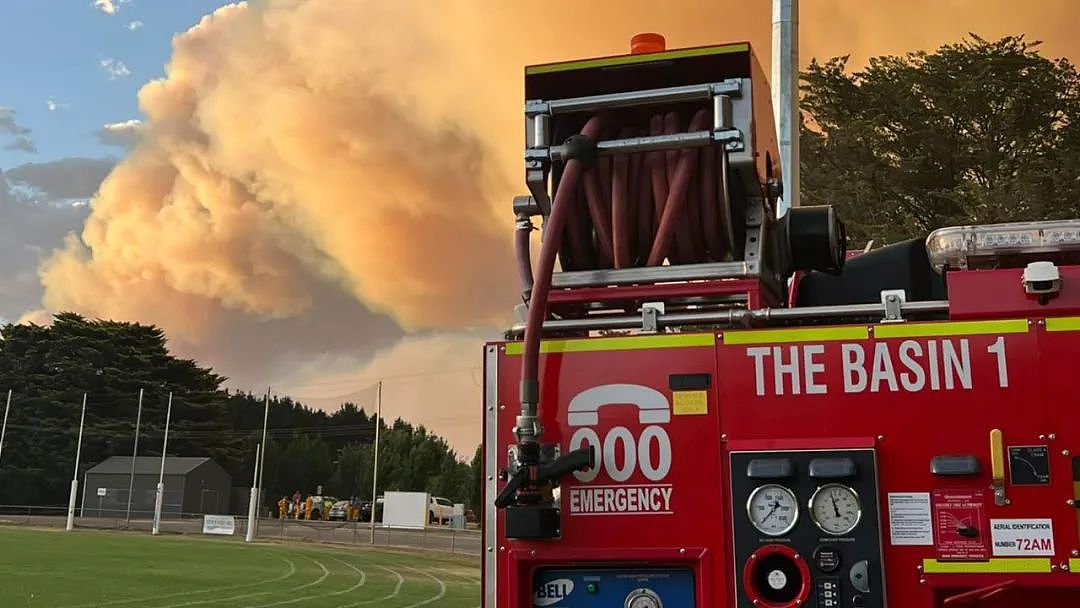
(835, 508)
(773, 510)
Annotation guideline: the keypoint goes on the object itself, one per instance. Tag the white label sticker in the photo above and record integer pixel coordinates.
(1024, 537)
(909, 518)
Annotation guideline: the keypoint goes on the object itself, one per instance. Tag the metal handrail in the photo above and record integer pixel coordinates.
(738, 317)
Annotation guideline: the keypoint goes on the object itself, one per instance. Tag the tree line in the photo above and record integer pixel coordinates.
(48, 368)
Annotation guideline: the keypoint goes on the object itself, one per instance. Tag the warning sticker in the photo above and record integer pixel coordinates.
(1024, 537)
(690, 402)
(961, 523)
(909, 518)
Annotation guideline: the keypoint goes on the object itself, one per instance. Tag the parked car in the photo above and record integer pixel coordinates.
(365, 510)
(340, 511)
(440, 510)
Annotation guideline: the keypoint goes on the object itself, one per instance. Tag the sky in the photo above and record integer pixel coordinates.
(69, 67)
(313, 195)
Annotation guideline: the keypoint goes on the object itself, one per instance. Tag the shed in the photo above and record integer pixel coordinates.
(193, 485)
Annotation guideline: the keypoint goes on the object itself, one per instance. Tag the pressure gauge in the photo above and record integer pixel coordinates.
(773, 510)
(835, 508)
(643, 598)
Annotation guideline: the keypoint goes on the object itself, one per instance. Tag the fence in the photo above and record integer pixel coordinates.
(445, 540)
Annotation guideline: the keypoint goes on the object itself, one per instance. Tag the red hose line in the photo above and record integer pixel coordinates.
(643, 193)
(601, 215)
(620, 211)
(676, 199)
(671, 127)
(710, 212)
(578, 236)
(522, 253)
(691, 224)
(658, 172)
(603, 168)
(564, 199)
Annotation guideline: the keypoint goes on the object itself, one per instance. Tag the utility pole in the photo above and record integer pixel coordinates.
(3, 429)
(75, 475)
(260, 457)
(134, 455)
(160, 496)
(785, 97)
(375, 471)
(252, 500)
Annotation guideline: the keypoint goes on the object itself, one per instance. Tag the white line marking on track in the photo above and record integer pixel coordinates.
(463, 576)
(216, 600)
(153, 598)
(397, 589)
(363, 579)
(439, 596)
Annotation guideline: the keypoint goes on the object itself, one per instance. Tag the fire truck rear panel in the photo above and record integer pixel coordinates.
(849, 465)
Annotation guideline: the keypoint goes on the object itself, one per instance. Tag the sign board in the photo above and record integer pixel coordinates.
(909, 519)
(102, 491)
(961, 524)
(1022, 537)
(405, 510)
(219, 524)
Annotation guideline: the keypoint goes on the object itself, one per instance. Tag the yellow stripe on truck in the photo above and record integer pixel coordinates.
(780, 336)
(1062, 323)
(1019, 565)
(787, 336)
(620, 343)
(607, 62)
(954, 328)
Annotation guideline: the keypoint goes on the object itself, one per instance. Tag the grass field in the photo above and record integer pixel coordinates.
(57, 569)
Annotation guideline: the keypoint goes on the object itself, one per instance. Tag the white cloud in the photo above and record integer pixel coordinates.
(53, 105)
(134, 25)
(122, 134)
(110, 7)
(114, 68)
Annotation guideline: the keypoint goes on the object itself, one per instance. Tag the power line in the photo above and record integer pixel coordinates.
(372, 384)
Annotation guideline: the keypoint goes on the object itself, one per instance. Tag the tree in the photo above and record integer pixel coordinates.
(49, 369)
(975, 132)
(476, 485)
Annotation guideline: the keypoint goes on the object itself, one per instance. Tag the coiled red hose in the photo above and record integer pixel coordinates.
(643, 209)
(639, 209)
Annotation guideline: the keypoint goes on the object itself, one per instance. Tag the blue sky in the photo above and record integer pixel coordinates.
(54, 49)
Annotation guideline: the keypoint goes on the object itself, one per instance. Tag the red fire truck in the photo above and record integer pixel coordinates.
(710, 404)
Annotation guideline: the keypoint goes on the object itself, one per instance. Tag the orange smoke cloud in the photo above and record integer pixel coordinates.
(282, 151)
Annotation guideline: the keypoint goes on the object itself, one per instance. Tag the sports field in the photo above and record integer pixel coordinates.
(53, 568)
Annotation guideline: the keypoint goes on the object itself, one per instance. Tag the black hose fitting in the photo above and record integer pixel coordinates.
(581, 148)
(530, 391)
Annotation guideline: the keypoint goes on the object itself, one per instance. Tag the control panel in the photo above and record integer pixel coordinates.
(614, 588)
(807, 529)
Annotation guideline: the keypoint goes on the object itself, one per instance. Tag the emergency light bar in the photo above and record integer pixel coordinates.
(961, 247)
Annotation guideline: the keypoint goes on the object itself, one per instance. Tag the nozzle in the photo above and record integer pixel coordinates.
(647, 43)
